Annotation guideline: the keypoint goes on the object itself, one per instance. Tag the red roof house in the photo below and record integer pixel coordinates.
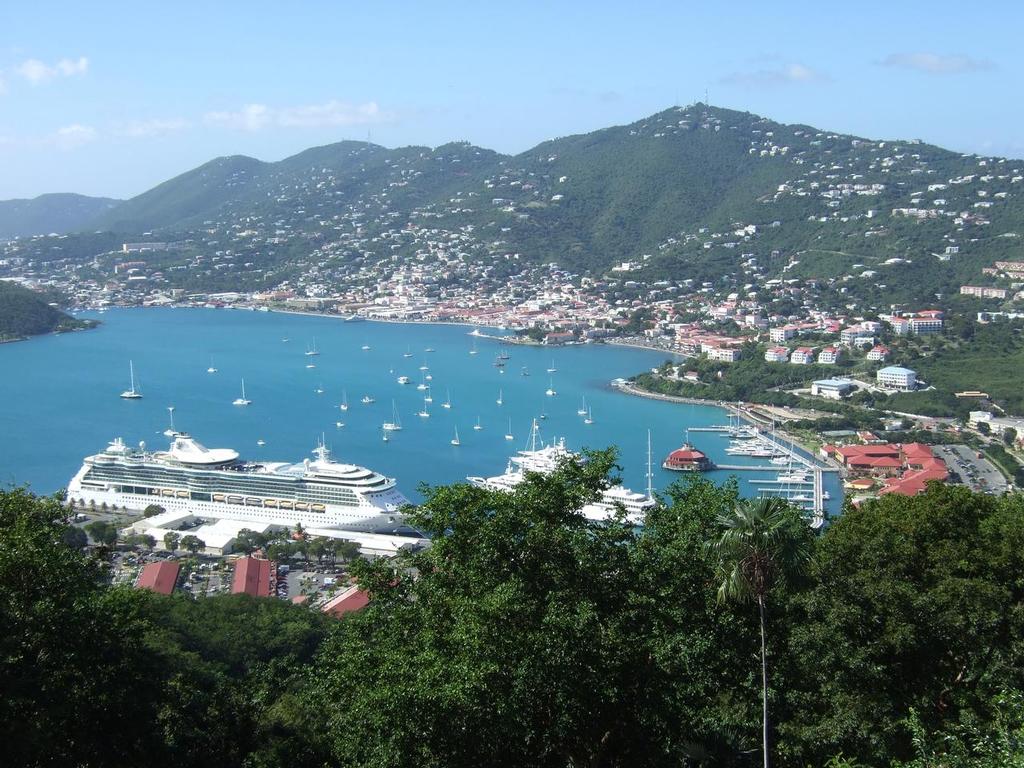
(159, 577)
(352, 599)
(252, 576)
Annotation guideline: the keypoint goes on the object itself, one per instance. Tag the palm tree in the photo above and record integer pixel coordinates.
(762, 541)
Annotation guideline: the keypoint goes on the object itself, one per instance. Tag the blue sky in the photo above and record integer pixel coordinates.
(110, 98)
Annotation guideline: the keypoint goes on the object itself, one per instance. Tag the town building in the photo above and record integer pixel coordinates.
(983, 291)
(782, 333)
(346, 601)
(776, 354)
(161, 577)
(802, 356)
(878, 353)
(832, 389)
(252, 577)
(896, 377)
(723, 354)
(828, 356)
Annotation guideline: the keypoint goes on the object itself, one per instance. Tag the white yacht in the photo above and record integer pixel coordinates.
(211, 369)
(447, 404)
(550, 391)
(312, 351)
(455, 440)
(582, 410)
(242, 400)
(395, 424)
(367, 400)
(215, 483)
(344, 400)
(545, 458)
(170, 431)
(133, 392)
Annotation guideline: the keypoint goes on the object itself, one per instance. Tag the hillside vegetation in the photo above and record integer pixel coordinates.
(692, 192)
(24, 312)
(50, 213)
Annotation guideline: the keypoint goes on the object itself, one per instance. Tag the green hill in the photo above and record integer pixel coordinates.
(24, 312)
(59, 213)
(696, 192)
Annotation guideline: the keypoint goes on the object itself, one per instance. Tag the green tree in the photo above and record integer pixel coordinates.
(346, 550)
(984, 428)
(153, 509)
(192, 543)
(1009, 436)
(761, 543)
(75, 537)
(171, 540)
(914, 604)
(248, 541)
(102, 532)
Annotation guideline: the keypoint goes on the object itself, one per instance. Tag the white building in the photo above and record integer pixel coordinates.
(832, 389)
(802, 356)
(723, 354)
(776, 354)
(896, 377)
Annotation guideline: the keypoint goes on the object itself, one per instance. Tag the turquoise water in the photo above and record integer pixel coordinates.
(59, 396)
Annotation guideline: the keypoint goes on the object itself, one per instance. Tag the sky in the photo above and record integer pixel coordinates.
(111, 98)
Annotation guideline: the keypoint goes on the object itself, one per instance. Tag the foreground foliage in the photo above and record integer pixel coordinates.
(529, 636)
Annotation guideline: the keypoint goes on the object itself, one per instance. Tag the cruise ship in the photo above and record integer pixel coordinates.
(545, 459)
(215, 483)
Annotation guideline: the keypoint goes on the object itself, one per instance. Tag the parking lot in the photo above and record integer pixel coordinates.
(965, 467)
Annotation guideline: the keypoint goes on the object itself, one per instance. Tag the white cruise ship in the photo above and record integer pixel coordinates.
(544, 459)
(214, 483)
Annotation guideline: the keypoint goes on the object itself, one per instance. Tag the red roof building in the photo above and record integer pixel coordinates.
(352, 599)
(686, 459)
(906, 468)
(252, 576)
(159, 577)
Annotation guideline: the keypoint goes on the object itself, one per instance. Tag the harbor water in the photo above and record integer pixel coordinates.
(59, 397)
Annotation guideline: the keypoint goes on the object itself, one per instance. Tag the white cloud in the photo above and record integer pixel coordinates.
(783, 73)
(140, 129)
(37, 72)
(256, 117)
(73, 136)
(935, 63)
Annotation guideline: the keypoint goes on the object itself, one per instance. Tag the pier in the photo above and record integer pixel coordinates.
(791, 490)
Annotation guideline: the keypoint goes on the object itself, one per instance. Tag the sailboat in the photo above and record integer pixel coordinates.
(241, 400)
(395, 424)
(319, 389)
(422, 386)
(339, 424)
(509, 435)
(367, 400)
(312, 351)
(550, 391)
(524, 371)
(408, 352)
(211, 369)
(590, 418)
(447, 404)
(500, 400)
(424, 414)
(428, 398)
(455, 440)
(552, 369)
(365, 347)
(131, 393)
(261, 442)
(582, 410)
(473, 349)
(424, 367)
(171, 431)
(344, 400)
(478, 426)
